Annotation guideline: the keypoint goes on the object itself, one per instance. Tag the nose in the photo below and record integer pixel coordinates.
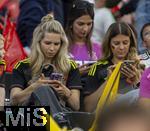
(121, 46)
(51, 47)
(85, 28)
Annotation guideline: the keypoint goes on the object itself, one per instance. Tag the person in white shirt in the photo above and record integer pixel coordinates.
(102, 20)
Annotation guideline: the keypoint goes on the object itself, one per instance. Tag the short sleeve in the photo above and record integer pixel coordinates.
(18, 79)
(74, 78)
(92, 83)
(96, 77)
(145, 84)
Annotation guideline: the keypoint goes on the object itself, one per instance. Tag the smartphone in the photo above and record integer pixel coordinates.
(128, 63)
(56, 76)
(47, 70)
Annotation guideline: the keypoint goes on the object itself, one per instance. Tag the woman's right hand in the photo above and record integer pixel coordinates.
(110, 70)
(84, 68)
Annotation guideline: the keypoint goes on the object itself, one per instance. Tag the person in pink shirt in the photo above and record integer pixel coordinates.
(144, 99)
(79, 30)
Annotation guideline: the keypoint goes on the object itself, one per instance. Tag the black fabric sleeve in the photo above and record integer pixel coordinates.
(74, 79)
(18, 79)
(92, 83)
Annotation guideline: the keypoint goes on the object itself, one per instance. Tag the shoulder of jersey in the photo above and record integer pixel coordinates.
(73, 64)
(94, 67)
(24, 61)
(2, 62)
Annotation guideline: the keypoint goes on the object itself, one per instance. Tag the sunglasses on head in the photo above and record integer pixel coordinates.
(82, 5)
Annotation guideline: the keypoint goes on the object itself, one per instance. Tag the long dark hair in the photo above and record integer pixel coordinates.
(79, 8)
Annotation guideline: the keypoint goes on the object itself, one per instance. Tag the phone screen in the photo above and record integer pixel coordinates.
(56, 76)
(128, 63)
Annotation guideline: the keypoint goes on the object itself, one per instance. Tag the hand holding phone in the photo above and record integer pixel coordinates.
(128, 69)
(128, 63)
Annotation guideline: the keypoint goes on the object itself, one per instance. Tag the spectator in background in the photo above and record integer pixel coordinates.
(31, 12)
(79, 30)
(123, 118)
(145, 36)
(10, 8)
(122, 7)
(102, 20)
(144, 99)
(142, 16)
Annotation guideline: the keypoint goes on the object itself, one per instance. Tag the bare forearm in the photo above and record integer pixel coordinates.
(2, 97)
(74, 100)
(21, 96)
(90, 101)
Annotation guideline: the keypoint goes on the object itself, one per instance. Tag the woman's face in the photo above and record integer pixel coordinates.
(146, 37)
(50, 45)
(120, 45)
(82, 26)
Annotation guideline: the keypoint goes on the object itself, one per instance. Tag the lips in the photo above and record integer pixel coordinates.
(84, 34)
(51, 54)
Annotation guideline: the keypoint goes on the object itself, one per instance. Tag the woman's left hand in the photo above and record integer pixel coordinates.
(131, 72)
(60, 88)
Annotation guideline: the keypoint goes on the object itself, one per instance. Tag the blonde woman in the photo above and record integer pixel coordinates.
(49, 46)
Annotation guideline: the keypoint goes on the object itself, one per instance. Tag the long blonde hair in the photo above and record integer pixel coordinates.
(61, 62)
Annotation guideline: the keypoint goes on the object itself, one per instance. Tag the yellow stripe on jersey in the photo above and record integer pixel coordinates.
(93, 68)
(2, 62)
(73, 64)
(22, 61)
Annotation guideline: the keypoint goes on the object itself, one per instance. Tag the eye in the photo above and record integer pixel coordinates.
(115, 42)
(57, 43)
(125, 42)
(80, 24)
(89, 24)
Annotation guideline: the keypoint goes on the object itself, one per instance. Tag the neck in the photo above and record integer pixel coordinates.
(116, 60)
(79, 40)
(47, 61)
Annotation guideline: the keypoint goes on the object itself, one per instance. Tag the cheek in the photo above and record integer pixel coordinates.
(43, 48)
(113, 48)
(90, 27)
(76, 28)
(58, 48)
(127, 47)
